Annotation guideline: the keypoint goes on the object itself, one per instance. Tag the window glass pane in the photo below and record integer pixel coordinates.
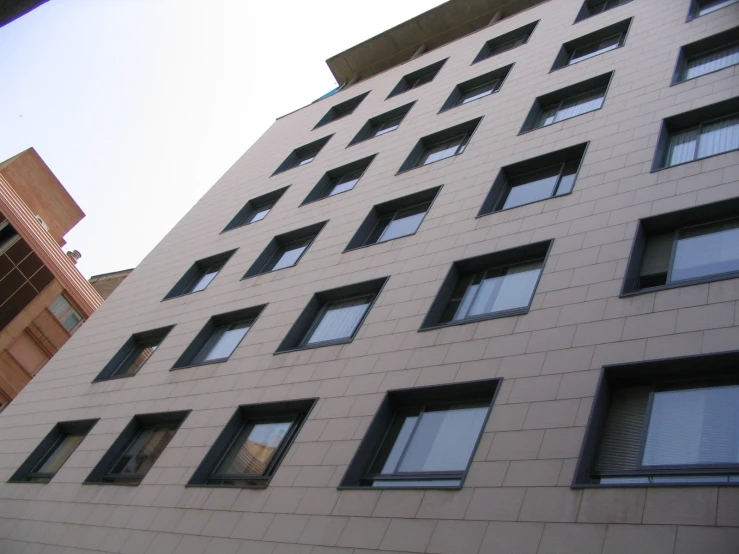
(657, 254)
(387, 126)
(444, 440)
(288, 255)
(260, 213)
(518, 41)
(708, 250)
(532, 187)
(224, 341)
(506, 292)
(61, 451)
(473, 285)
(719, 136)
(580, 104)
(254, 447)
(567, 180)
(712, 61)
(71, 320)
(204, 279)
(695, 426)
(708, 6)
(681, 147)
(442, 150)
(478, 92)
(422, 80)
(59, 307)
(396, 441)
(345, 182)
(144, 451)
(379, 229)
(135, 360)
(595, 48)
(340, 320)
(404, 223)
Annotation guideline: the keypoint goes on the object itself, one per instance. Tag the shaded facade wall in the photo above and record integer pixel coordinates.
(517, 497)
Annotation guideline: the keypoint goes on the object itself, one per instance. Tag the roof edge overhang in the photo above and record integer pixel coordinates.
(434, 28)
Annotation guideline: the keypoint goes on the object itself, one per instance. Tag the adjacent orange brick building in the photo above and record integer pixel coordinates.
(43, 297)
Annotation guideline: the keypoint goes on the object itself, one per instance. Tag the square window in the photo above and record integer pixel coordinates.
(219, 338)
(137, 448)
(695, 245)
(200, 275)
(705, 56)
(133, 354)
(501, 284)
(704, 7)
(341, 179)
(535, 180)
(417, 78)
(341, 110)
(477, 88)
(394, 219)
(441, 145)
(382, 124)
(303, 155)
(594, 7)
(285, 250)
(251, 446)
(332, 316)
(593, 44)
(569, 102)
(423, 437)
(66, 314)
(698, 134)
(664, 422)
(505, 42)
(255, 209)
(56, 448)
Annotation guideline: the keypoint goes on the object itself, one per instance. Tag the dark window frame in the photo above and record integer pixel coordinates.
(365, 132)
(525, 31)
(693, 11)
(48, 445)
(649, 373)
(338, 111)
(703, 47)
(567, 50)
(310, 316)
(584, 12)
(687, 120)
(188, 358)
(196, 272)
(664, 223)
(277, 245)
(253, 206)
(205, 474)
(363, 233)
(143, 339)
(404, 85)
(101, 473)
(292, 158)
(500, 75)
(466, 129)
(543, 102)
(495, 260)
(500, 187)
(356, 475)
(326, 183)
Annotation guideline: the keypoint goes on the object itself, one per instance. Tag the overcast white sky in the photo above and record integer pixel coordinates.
(139, 106)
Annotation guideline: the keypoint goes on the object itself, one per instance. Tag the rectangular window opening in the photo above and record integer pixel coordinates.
(506, 42)
(200, 275)
(596, 7)
(417, 78)
(441, 145)
(285, 250)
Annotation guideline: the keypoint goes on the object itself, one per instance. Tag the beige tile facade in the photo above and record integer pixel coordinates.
(517, 497)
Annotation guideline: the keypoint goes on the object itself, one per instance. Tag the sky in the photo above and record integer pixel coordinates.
(140, 106)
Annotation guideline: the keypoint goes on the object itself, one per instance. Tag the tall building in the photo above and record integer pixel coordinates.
(482, 299)
(43, 298)
(106, 283)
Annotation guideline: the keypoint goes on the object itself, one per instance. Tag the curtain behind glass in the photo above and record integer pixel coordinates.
(707, 250)
(340, 320)
(719, 136)
(681, 147)
(60, 455)
(696, 426)
(580, 105)
(712, 62)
